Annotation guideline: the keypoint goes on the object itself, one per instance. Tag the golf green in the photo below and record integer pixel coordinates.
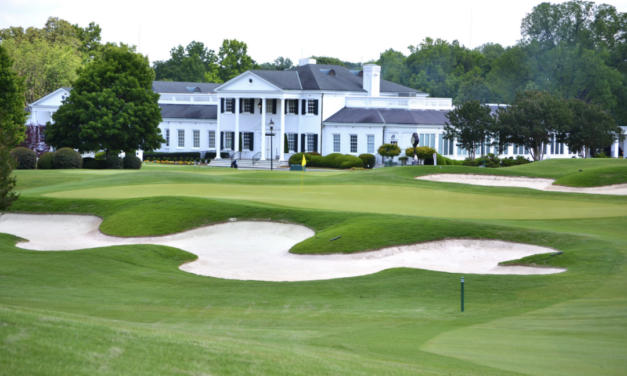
(382, 199)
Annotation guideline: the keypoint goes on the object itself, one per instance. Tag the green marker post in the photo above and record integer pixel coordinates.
(462, 294)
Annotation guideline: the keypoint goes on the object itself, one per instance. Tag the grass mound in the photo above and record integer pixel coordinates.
(595, 177)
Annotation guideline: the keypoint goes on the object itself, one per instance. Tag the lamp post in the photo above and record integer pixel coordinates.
(271, 144)
(462, 294)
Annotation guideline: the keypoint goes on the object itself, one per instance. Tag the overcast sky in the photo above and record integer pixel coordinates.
(352, 31)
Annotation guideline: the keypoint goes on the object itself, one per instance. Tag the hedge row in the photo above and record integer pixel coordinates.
(155, 155)
(129, 162)
(25, 158)
(334, 160)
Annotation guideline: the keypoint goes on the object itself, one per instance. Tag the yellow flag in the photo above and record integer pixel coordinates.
(304, 161)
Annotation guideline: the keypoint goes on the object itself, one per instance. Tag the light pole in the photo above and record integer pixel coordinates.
(462, 294)
(271, 144)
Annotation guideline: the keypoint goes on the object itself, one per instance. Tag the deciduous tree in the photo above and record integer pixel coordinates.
(592, 128)
(112, 106)
(469, 124)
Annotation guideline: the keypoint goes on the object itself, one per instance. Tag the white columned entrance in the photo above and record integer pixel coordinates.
(263, 129)
(282, 135)
(236, 135)
(218, 140)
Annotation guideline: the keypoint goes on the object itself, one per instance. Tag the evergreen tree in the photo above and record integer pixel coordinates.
(12, 129)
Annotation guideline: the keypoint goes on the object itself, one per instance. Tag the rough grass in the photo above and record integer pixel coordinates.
(595, 177)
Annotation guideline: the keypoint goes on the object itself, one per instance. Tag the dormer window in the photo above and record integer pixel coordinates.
(331, 73)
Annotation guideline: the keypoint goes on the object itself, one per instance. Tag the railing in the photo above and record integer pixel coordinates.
(403, 103)
(256, 157)
(189, 99)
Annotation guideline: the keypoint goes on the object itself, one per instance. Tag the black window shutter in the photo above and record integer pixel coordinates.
(296, 105)
(221, 105)
(287, 104)
(274, 106)
(251, 142)
(241, 101)
(221, 141)
(304, 112)
(316, 107)
(232, 105)
(296, 142)
(303, 141)
(233, 142)
(315, 136)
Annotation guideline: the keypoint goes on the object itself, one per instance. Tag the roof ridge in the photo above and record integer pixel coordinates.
(380, 115)
(314, 76)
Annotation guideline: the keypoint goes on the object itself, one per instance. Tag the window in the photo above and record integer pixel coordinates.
(246, 141)
(248, 106)
(353, 143)
(292, 105)
(310, 142)
(196, 138)
(167, 137)
(291, 142)
(394, 142)
(228, 107)
(181, 138)
(269, 106)
(228, 140)
(311, 106)
(371, 143)
(212, 139)
(336, 143)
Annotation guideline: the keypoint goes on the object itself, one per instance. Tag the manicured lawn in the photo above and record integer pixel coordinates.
(130, 310)
(596, 177)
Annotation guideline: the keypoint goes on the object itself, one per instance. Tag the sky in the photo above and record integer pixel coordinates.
(351, 31)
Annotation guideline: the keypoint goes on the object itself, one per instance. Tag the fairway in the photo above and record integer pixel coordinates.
(128, 307)
(370, 199)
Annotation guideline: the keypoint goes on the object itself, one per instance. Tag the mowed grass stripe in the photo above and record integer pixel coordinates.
(371, 199)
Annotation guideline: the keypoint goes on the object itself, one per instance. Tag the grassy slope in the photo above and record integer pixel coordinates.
(596, 177)
(129, 309)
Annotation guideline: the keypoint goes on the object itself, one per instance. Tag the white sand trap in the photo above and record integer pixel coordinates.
(522, 182)
(260, 250)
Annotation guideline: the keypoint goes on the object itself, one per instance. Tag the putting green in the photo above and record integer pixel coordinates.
(370, 198)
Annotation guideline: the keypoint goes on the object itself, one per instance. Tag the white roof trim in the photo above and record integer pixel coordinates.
(49, 95)
(217, 89)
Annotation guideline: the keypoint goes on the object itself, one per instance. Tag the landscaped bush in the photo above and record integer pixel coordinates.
(423, 152)
(67, 158)
(369, 160)
(93, 164)
(131, 162)
(155, 155)
(114, 163)
(494, 161)
(45, 161)
(25, 158)
(334, 160)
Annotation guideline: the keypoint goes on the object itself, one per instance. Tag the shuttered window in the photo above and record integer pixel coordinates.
(228, 107)
(292, 105)
(167, 137)
(228, 142)
(246, 141)
(291, 142)
(196, 134)
(311, 143)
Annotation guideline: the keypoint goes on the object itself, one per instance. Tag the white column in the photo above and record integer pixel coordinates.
(282, 142)
(299, 129)
(263, 129)
(236, 136)
(625, 148)
(218, 140)
(615, 150)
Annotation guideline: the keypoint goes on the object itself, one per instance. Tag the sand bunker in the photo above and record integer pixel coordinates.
(522, 182)
(260, 250)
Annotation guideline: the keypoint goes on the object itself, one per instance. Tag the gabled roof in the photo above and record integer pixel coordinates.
(317, 77)
(388, 116)
(284, 80)
(66, 89)
(189, 111)
(171, 87)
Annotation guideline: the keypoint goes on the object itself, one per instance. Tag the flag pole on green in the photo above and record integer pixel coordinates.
(304, 163)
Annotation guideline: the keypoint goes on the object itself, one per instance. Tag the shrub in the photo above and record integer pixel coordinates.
(114, 163)
(101, 156)
(26, 158)
(131, 162)
(600, 155)
(45, 161)
(156, 155)
(369, 160)
(67, 158)
(389, 150)
(334, 160)
(93, 164)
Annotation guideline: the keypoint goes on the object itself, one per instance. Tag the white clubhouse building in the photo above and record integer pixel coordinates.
(314, 108)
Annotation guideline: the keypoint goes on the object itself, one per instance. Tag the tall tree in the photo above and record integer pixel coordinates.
(189, 64)
(234, 59)
(280, 63)
(393, 66)
(469, 124)
(592, 128)
(533, 119)
(12, 130)
(112, 106)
